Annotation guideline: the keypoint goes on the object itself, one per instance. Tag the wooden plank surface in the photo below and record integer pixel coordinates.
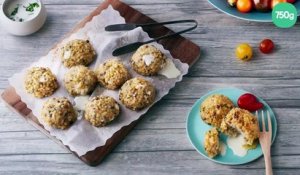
(179, 47)
(159, 144)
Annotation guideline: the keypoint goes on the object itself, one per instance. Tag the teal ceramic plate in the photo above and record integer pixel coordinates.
(196, 129)
(223, 6)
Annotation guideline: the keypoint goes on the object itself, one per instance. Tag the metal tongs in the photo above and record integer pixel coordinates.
(134, 46)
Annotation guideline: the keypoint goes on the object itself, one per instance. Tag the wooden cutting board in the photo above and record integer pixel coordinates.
(179, 47)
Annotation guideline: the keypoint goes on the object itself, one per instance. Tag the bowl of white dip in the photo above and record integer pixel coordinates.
(22, 17)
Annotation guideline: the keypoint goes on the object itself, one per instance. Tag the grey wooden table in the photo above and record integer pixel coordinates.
(159, 145)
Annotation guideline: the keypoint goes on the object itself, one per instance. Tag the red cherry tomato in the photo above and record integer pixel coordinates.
(249, 102)
(290, 1)
(266, 46)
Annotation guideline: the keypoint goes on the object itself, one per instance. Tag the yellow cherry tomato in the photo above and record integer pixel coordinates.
(232, 3)
(275, 2)
(244, 52)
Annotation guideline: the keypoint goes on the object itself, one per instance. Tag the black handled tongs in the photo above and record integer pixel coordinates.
(134, 46)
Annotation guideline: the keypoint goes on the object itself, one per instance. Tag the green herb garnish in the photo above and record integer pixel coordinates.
(31, 7)
(13, 13)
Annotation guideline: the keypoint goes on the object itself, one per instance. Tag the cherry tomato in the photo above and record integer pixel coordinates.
(232, 3)
(244, 52)
(244, 6)
(291, 1)
(266, 46)
(275, 2)
(262, 5)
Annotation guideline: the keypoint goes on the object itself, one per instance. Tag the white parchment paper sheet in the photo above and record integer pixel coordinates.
(82, 136)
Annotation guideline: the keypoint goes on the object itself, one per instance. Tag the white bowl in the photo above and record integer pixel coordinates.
(26, 27)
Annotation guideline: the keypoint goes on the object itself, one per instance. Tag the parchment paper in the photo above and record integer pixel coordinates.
(82, 137)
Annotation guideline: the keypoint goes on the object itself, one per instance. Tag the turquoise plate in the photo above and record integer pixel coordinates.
(223, 6)
(196, 129)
